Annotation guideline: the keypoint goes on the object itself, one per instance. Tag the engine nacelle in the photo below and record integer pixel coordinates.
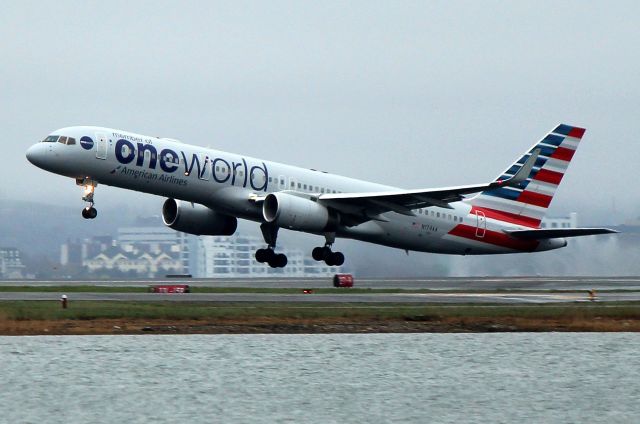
(298, 213)
(197, 219)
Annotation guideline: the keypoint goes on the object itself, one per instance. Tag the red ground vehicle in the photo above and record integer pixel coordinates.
(170, 288)
(343, 280)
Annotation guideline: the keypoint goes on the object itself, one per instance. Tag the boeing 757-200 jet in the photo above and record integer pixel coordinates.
(209, 190)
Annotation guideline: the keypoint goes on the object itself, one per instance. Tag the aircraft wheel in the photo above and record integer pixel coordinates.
(281, 260)
(278, 261)
(89, 213)
(317, 253)
(264, 255)
(334, 259)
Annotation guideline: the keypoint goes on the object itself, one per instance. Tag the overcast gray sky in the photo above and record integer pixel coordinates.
(414, 94)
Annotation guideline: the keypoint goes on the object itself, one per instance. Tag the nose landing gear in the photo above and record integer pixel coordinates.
(89, 212)
(89, 186)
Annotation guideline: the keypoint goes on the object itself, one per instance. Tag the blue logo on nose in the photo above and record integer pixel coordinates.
(86, 143)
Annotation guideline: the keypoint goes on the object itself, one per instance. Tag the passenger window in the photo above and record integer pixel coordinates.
(438, 215)
(71, 141)
(293, 185)
(299, 185)
(322, 190)
(62, 140)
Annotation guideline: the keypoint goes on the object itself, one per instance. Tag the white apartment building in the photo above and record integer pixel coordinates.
(233, 256)
(10, 263)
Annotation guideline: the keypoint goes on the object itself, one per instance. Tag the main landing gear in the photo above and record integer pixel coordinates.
(325, 253)
(268, 255)
(89, 186)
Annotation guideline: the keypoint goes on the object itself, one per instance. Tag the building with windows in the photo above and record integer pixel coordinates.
(154, 251)
(11, 266)
(233, 257)
(570, 221)
(157, 240)
(136, 261)
(140, 251)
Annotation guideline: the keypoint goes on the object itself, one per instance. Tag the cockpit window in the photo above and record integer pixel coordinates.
(62, 140)
(71, 141)
(51, 139)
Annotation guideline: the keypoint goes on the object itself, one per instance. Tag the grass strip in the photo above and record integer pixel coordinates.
(90, 310)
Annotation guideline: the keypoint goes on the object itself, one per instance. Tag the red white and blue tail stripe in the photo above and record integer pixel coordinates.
(527, 203)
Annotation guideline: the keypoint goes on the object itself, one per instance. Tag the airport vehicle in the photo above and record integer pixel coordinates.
(170, 288)
(209, 190)
(343, 280)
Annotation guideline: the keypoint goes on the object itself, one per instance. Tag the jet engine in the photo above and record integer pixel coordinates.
(298, 213)
(197, 219)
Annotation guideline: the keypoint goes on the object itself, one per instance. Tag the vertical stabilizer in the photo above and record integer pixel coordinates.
(526, 203)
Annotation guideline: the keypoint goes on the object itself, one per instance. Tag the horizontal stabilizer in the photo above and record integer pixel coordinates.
(557, 233)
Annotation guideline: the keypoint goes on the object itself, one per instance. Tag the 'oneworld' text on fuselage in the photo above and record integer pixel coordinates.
(143, 154)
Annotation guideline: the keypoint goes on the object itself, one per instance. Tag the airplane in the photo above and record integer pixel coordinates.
(208, 190)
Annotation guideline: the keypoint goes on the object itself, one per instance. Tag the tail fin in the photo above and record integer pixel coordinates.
(526, 203)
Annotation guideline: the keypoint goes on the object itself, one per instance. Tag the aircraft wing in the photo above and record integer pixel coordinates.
(542, 234)
(370, 205)
(361, 207)
(402, 201)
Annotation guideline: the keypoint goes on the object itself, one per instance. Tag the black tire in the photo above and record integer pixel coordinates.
(264, 255)
(338, 259)
(261, 255)
(93, 213)
(317, 254)
(326, 252)
(329, 260)
(281, 260)
(85, 213)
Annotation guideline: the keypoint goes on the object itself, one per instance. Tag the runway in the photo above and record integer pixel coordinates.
(462, 283)
(347, 298)
(486, 290)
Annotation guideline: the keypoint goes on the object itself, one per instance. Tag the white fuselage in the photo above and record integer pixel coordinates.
(225, 182)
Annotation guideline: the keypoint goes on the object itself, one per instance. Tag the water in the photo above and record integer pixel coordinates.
(369, 378)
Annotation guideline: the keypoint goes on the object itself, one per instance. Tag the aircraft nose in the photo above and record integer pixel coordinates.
(35, 154)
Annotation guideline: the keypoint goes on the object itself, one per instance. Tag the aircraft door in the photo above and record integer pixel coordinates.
(481, 227)
(101, 147)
